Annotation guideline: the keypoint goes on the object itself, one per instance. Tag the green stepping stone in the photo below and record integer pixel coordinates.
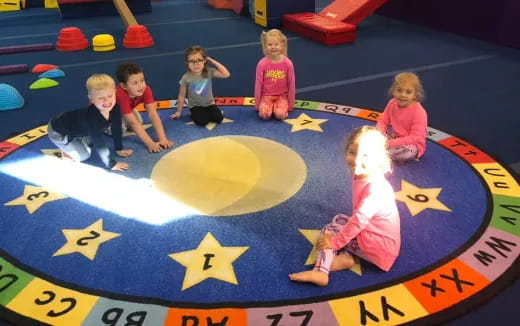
(43, 83)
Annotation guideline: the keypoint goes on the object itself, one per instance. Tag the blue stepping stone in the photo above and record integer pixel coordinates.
(54, 73)
(10, 98)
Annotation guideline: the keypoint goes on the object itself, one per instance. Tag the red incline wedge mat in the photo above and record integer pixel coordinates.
(333, 25)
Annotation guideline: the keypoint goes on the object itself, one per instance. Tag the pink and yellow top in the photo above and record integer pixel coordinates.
(275, 78)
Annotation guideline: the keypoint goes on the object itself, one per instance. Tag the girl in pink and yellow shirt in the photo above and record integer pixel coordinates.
(275, 86)
(373, 231)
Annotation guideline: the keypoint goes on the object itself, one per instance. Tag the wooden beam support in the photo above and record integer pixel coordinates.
(125, 12)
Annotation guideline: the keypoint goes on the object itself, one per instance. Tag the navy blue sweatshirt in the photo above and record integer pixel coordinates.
(90, 122)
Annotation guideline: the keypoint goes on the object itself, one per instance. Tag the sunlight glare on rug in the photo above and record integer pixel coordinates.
(228, 176)
(110, 191)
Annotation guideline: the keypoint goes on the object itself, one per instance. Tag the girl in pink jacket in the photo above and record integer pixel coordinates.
(404, 120)
(275, 87)
(373, 231)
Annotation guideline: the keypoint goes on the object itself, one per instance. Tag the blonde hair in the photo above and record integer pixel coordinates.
(98, 82)
(411, 78)
(275, 33)
(372, 156)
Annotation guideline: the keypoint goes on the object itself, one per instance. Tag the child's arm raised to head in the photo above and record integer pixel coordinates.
(180, 103)
(222, 71)
(157, 125)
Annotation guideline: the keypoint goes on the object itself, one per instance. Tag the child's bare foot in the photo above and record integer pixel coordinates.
(316, 277)
(341, 262)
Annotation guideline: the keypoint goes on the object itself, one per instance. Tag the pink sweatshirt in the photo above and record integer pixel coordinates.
(374, 222)
(275, 78)
(408, 124)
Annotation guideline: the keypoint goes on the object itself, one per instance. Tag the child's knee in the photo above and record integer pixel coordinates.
(281, 115)
(85, 155)
(219, 119)
(264, 115)
(200, 122)
(281, 110)
(403, 157)
(217, 116)
(199, 118)
(77, 156)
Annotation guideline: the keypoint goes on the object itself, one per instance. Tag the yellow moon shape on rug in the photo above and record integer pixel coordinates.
(230, 175)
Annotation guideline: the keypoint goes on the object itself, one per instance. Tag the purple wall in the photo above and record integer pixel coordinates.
(491, 20)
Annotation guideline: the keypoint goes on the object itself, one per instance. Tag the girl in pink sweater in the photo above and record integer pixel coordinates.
(404, 120)
(275, 86)
(373, 231)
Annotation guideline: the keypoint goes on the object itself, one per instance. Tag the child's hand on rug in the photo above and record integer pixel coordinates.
(125, 152)
(175, 115)
(166, 143)
(120, 166)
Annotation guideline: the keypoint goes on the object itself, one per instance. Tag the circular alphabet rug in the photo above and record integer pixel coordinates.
(206, 233)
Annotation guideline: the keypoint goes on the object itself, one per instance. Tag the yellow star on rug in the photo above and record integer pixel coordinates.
(312, 236)
(52, 153)
(211, 125)
(34, 197)
(305, 122)
(210, 259)
(131, 133)
(85, 241)
(418, 199)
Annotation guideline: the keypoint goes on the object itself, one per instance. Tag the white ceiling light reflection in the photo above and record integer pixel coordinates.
(110, 191)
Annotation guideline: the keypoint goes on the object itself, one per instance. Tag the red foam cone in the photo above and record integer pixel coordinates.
(71, 39)
(137, 36)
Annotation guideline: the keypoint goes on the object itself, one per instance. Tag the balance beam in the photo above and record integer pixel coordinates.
(26, 48)
(13, 69)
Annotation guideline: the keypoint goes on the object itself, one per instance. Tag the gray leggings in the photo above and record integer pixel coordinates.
(403, 154)
(78, 148)
(338, 222)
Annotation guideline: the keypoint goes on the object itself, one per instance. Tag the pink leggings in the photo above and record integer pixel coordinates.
(277, 105)
(325, 257)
